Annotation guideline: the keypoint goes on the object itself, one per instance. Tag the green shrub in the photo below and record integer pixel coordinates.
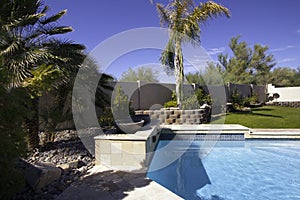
(202, 97)
(237, 99)
(13, 144)
(251, 100)
(170, 104)
(196, 100)
(121, 105)
(193, 102)
(173, 102)
(254, 99)
(190, 103)
(106, 118)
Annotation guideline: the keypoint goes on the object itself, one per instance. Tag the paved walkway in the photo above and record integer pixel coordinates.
(105, 184)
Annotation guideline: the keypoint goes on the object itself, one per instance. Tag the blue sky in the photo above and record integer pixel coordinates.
(275, 23)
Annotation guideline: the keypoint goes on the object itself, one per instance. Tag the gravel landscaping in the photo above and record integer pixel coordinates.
(66, 153)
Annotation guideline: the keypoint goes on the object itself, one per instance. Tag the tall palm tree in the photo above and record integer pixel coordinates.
(27, 42)
(183, 18)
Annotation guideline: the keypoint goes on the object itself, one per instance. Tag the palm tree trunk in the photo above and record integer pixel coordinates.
(32, 126)
(179, 73)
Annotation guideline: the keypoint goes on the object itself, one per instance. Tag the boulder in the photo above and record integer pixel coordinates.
(70, 165)
(41, 174)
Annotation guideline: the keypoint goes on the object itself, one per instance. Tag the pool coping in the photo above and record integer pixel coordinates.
(231, 129)
(206, 128)
(274, 134)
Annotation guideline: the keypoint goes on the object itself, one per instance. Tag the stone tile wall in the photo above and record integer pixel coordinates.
(126, 151)
(294, 104)
(177, 117)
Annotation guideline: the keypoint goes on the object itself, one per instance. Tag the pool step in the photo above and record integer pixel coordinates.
(274, 134)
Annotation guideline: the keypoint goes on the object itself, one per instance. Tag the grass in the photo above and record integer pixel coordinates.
(264, 117)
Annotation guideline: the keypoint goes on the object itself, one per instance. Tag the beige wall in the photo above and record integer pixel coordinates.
(287, 94)
(144, 95)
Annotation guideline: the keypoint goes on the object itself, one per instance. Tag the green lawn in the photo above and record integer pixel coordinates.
(265, 117)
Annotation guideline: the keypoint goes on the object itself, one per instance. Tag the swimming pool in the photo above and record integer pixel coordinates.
(251, 169)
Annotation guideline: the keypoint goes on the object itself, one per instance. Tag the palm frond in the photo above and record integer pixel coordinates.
(54, 17)
(26, 41)
(71, 53)
(209, 10)
(191, 31)
(45, 9)
(9, 49)
(42, 79)
(54, 30)
(26, 20)
(168, 55)
(163, 14)
(65, 45)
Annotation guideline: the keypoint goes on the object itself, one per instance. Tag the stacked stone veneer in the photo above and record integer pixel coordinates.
(177, 117)
(294, 104)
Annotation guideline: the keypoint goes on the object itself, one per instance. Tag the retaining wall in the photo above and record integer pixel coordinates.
(178, 117)
(287, 104)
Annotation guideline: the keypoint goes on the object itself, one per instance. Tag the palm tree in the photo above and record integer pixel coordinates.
(27, 43)
(184, 20)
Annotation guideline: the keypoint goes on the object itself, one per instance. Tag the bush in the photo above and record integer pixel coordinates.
(202, 97)
(251, 101)
(193, 102)
(238, 101)
(173, 102)
(196, 100)
(106, 118)
(13, 144)
(170, 104)
(190, 103)
(121, 106)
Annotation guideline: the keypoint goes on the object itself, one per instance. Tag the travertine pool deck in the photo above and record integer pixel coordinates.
(103, 183)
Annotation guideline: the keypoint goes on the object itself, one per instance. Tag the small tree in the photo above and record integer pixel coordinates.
(121, 106)
(247, 65)
(141, 74)
(237, 99)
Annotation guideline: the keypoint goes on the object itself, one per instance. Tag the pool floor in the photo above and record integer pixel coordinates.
(251, 169)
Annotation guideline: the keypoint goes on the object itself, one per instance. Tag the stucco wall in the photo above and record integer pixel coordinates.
(286, 94)
(144, 96)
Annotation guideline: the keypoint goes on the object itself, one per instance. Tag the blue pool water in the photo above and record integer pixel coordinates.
(231, 170)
